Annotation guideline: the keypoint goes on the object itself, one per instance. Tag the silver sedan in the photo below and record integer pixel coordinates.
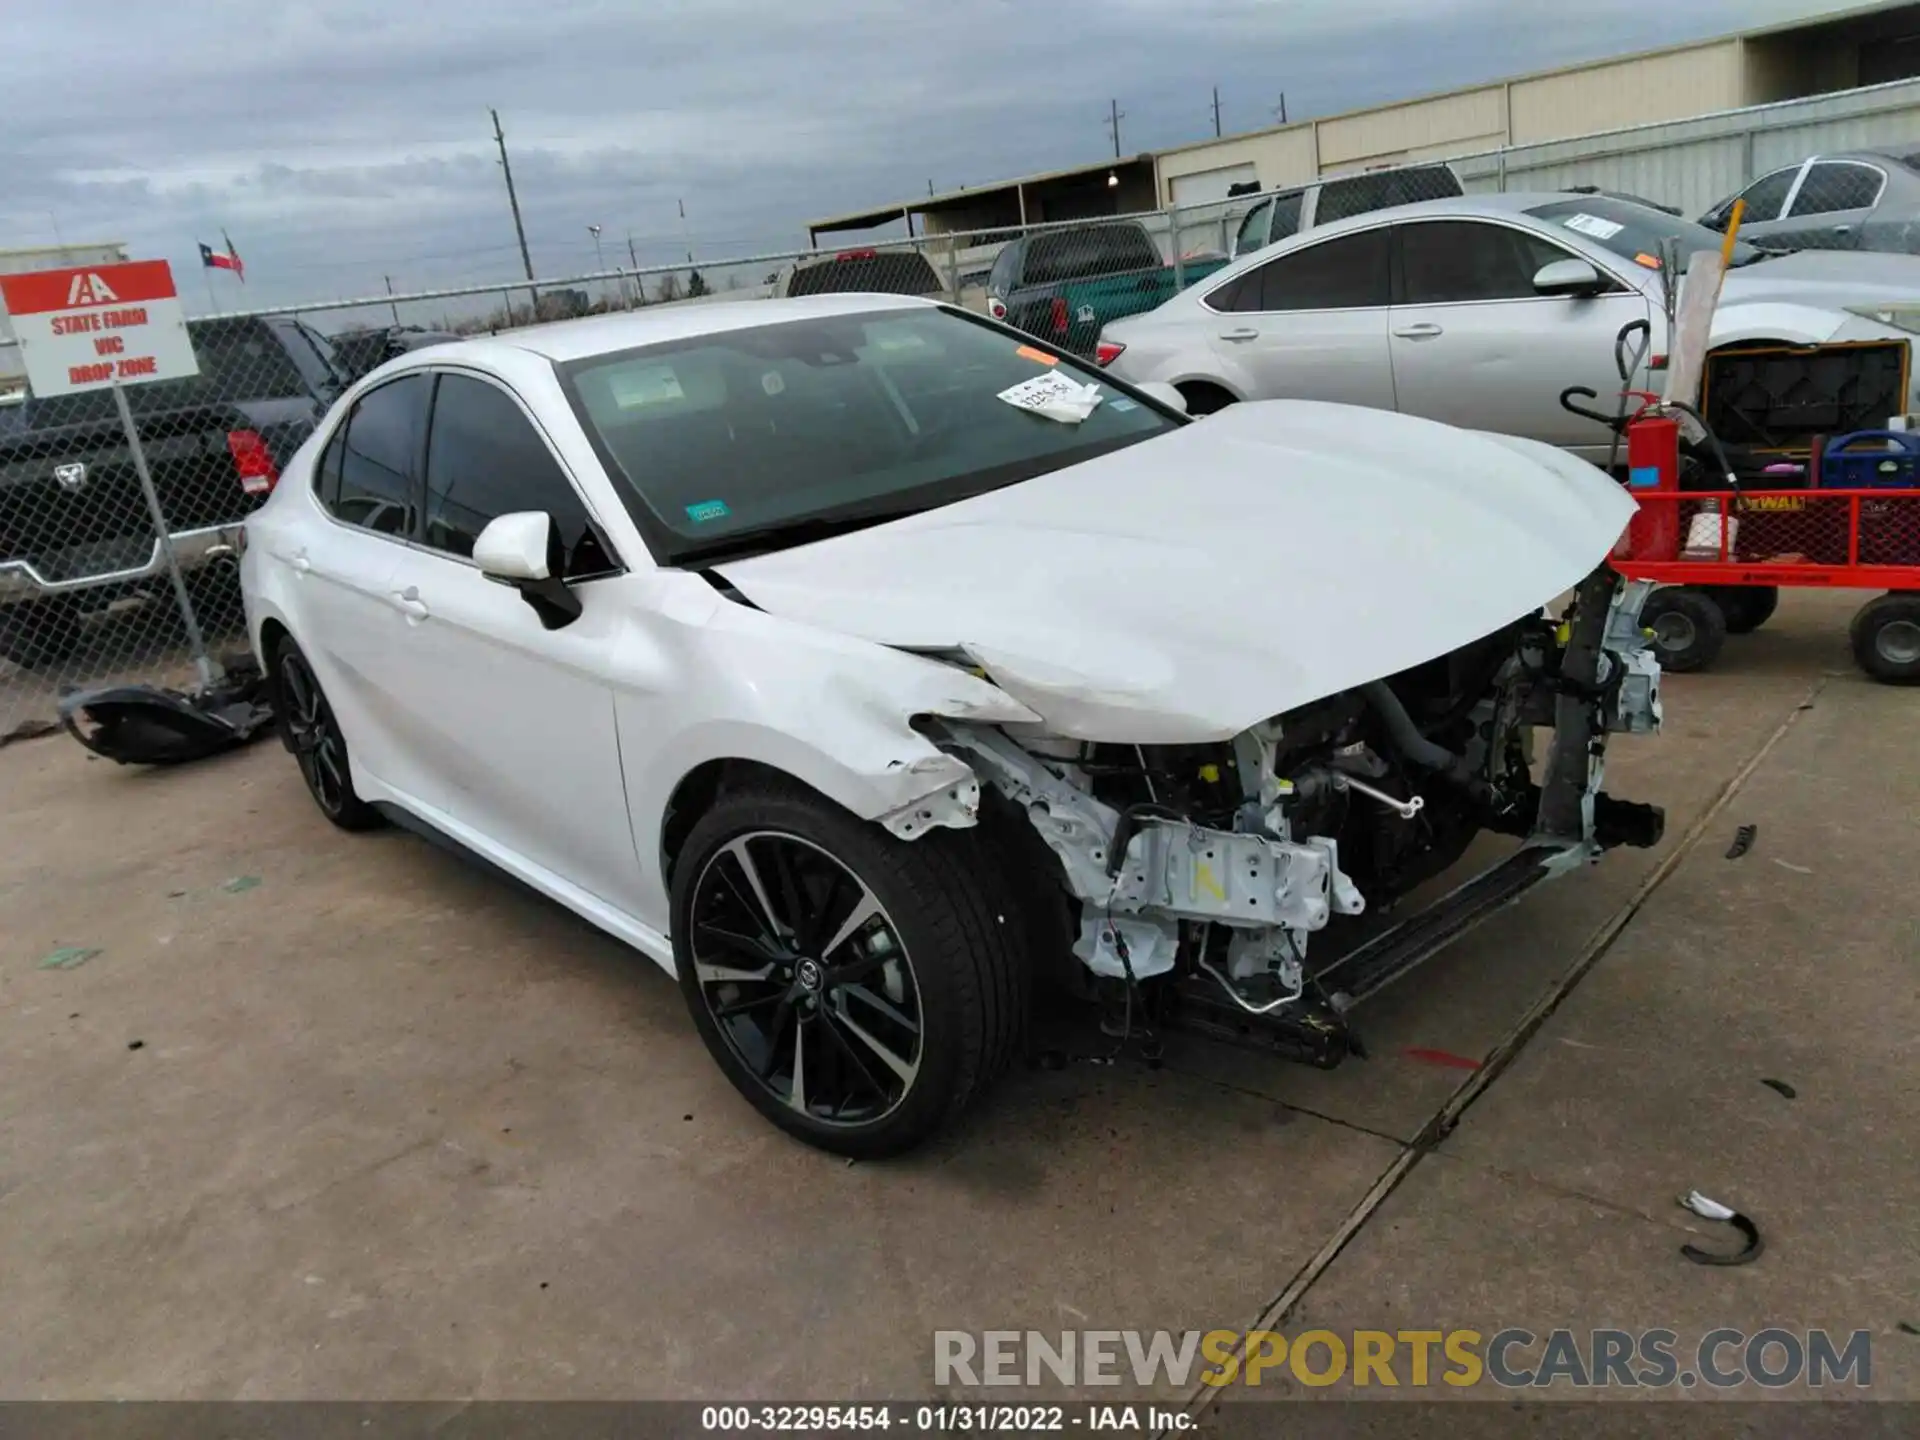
(1479, 311)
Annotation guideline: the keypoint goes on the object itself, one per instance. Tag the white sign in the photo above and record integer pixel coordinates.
(1593, 225)
(1054, 396)
(98, 325)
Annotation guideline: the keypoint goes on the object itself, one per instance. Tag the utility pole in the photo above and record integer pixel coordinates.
(640, 294)
(1216, 112)
(500, 139)
(683, 231)
(390, 305)
(1114, 116)
(1281, 110)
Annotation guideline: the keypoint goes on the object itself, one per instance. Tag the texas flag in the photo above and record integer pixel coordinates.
(228, 259)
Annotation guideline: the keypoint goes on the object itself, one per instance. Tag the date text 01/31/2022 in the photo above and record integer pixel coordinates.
(939, 1419)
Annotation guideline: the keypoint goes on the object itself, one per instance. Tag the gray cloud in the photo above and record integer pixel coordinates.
(340, 141)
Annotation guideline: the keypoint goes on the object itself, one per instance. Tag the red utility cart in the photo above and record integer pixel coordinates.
(1725, 554)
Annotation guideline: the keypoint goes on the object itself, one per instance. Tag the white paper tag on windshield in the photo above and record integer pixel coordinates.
(1054, 396)
(1593, 225)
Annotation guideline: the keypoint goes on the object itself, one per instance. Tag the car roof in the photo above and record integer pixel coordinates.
(564, 340)
(1507, 202)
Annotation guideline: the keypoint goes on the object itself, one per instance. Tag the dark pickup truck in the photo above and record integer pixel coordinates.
(75, 532)
(1063, 285)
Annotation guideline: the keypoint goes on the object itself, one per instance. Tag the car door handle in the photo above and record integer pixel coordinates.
(1242, 334)
(409, 603)
(1422, 331)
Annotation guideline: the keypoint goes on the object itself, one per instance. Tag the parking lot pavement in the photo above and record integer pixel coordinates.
(1553, 1203)
(394, 1129)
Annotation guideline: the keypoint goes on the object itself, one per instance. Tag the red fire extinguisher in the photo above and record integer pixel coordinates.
(1653, 468)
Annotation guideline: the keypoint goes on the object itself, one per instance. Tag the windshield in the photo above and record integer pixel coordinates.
(758, 438)
(1634, 232)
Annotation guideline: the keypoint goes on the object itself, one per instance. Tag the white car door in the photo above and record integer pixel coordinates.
(1310, 324)
(1475, 345)
(521, 717)
(343, 566)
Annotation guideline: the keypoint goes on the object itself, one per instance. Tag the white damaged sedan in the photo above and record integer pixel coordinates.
(857, 662)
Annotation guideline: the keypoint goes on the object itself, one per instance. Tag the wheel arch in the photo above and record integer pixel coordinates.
(1203, 388)
(909, 793)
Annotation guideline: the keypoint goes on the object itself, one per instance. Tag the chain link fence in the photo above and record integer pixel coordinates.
(88, 591)
(86, 595)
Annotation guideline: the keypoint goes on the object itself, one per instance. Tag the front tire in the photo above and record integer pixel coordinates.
(311, 731)
(1886, 638)
(1688, 628)
(858, 990)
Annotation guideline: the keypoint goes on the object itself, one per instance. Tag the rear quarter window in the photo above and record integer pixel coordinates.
(1080, 254)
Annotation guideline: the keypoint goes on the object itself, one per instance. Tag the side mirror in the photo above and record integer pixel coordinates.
(522, 549)
(1166, 394)
(1568, 277)
(516, 547)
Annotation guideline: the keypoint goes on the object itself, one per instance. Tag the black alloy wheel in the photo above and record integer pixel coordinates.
(312, 733)
(806, 979)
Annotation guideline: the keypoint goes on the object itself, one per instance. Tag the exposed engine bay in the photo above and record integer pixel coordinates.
(1198, 875)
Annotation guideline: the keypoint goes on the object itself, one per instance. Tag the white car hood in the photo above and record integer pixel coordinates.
(1182, 589)
(1835, 278)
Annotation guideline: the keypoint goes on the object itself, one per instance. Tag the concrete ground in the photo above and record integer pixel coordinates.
(337, 1116)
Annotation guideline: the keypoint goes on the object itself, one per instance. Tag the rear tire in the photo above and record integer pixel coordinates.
(311, 731)
(1886, 638)
(1747, 607)
(1688, 628)
(40, 634)
(861, 1041)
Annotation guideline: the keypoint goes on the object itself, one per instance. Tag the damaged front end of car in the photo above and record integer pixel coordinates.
(1196, 875)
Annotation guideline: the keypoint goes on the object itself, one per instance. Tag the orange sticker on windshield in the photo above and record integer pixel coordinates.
(1039, 357)
(1651, 262)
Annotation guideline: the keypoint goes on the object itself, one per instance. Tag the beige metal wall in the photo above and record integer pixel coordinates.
(1608, 95)
(1641, 91)
(1465, 120)
(1280, 157)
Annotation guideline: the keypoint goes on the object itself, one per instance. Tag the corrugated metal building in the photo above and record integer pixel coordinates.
(1835, 51)
(51, 257)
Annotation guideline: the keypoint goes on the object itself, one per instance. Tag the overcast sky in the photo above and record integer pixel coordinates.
(339, 141)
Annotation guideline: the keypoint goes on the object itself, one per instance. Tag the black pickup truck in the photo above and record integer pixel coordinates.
(75, 532)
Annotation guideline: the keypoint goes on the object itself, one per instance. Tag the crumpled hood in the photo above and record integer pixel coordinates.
(1182, 589)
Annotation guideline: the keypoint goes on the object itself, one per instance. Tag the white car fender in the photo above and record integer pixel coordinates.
(1775, 320)
(832, 711)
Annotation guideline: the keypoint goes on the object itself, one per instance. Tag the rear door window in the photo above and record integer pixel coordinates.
(380, 462)
(1834, 185)
(1075, 254)
(1286, 216)
(1349, 273)
(1361, 194)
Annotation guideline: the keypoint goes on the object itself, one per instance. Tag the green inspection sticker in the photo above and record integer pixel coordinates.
(708, 510)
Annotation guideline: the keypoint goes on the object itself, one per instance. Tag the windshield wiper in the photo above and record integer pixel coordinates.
(790, 533)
